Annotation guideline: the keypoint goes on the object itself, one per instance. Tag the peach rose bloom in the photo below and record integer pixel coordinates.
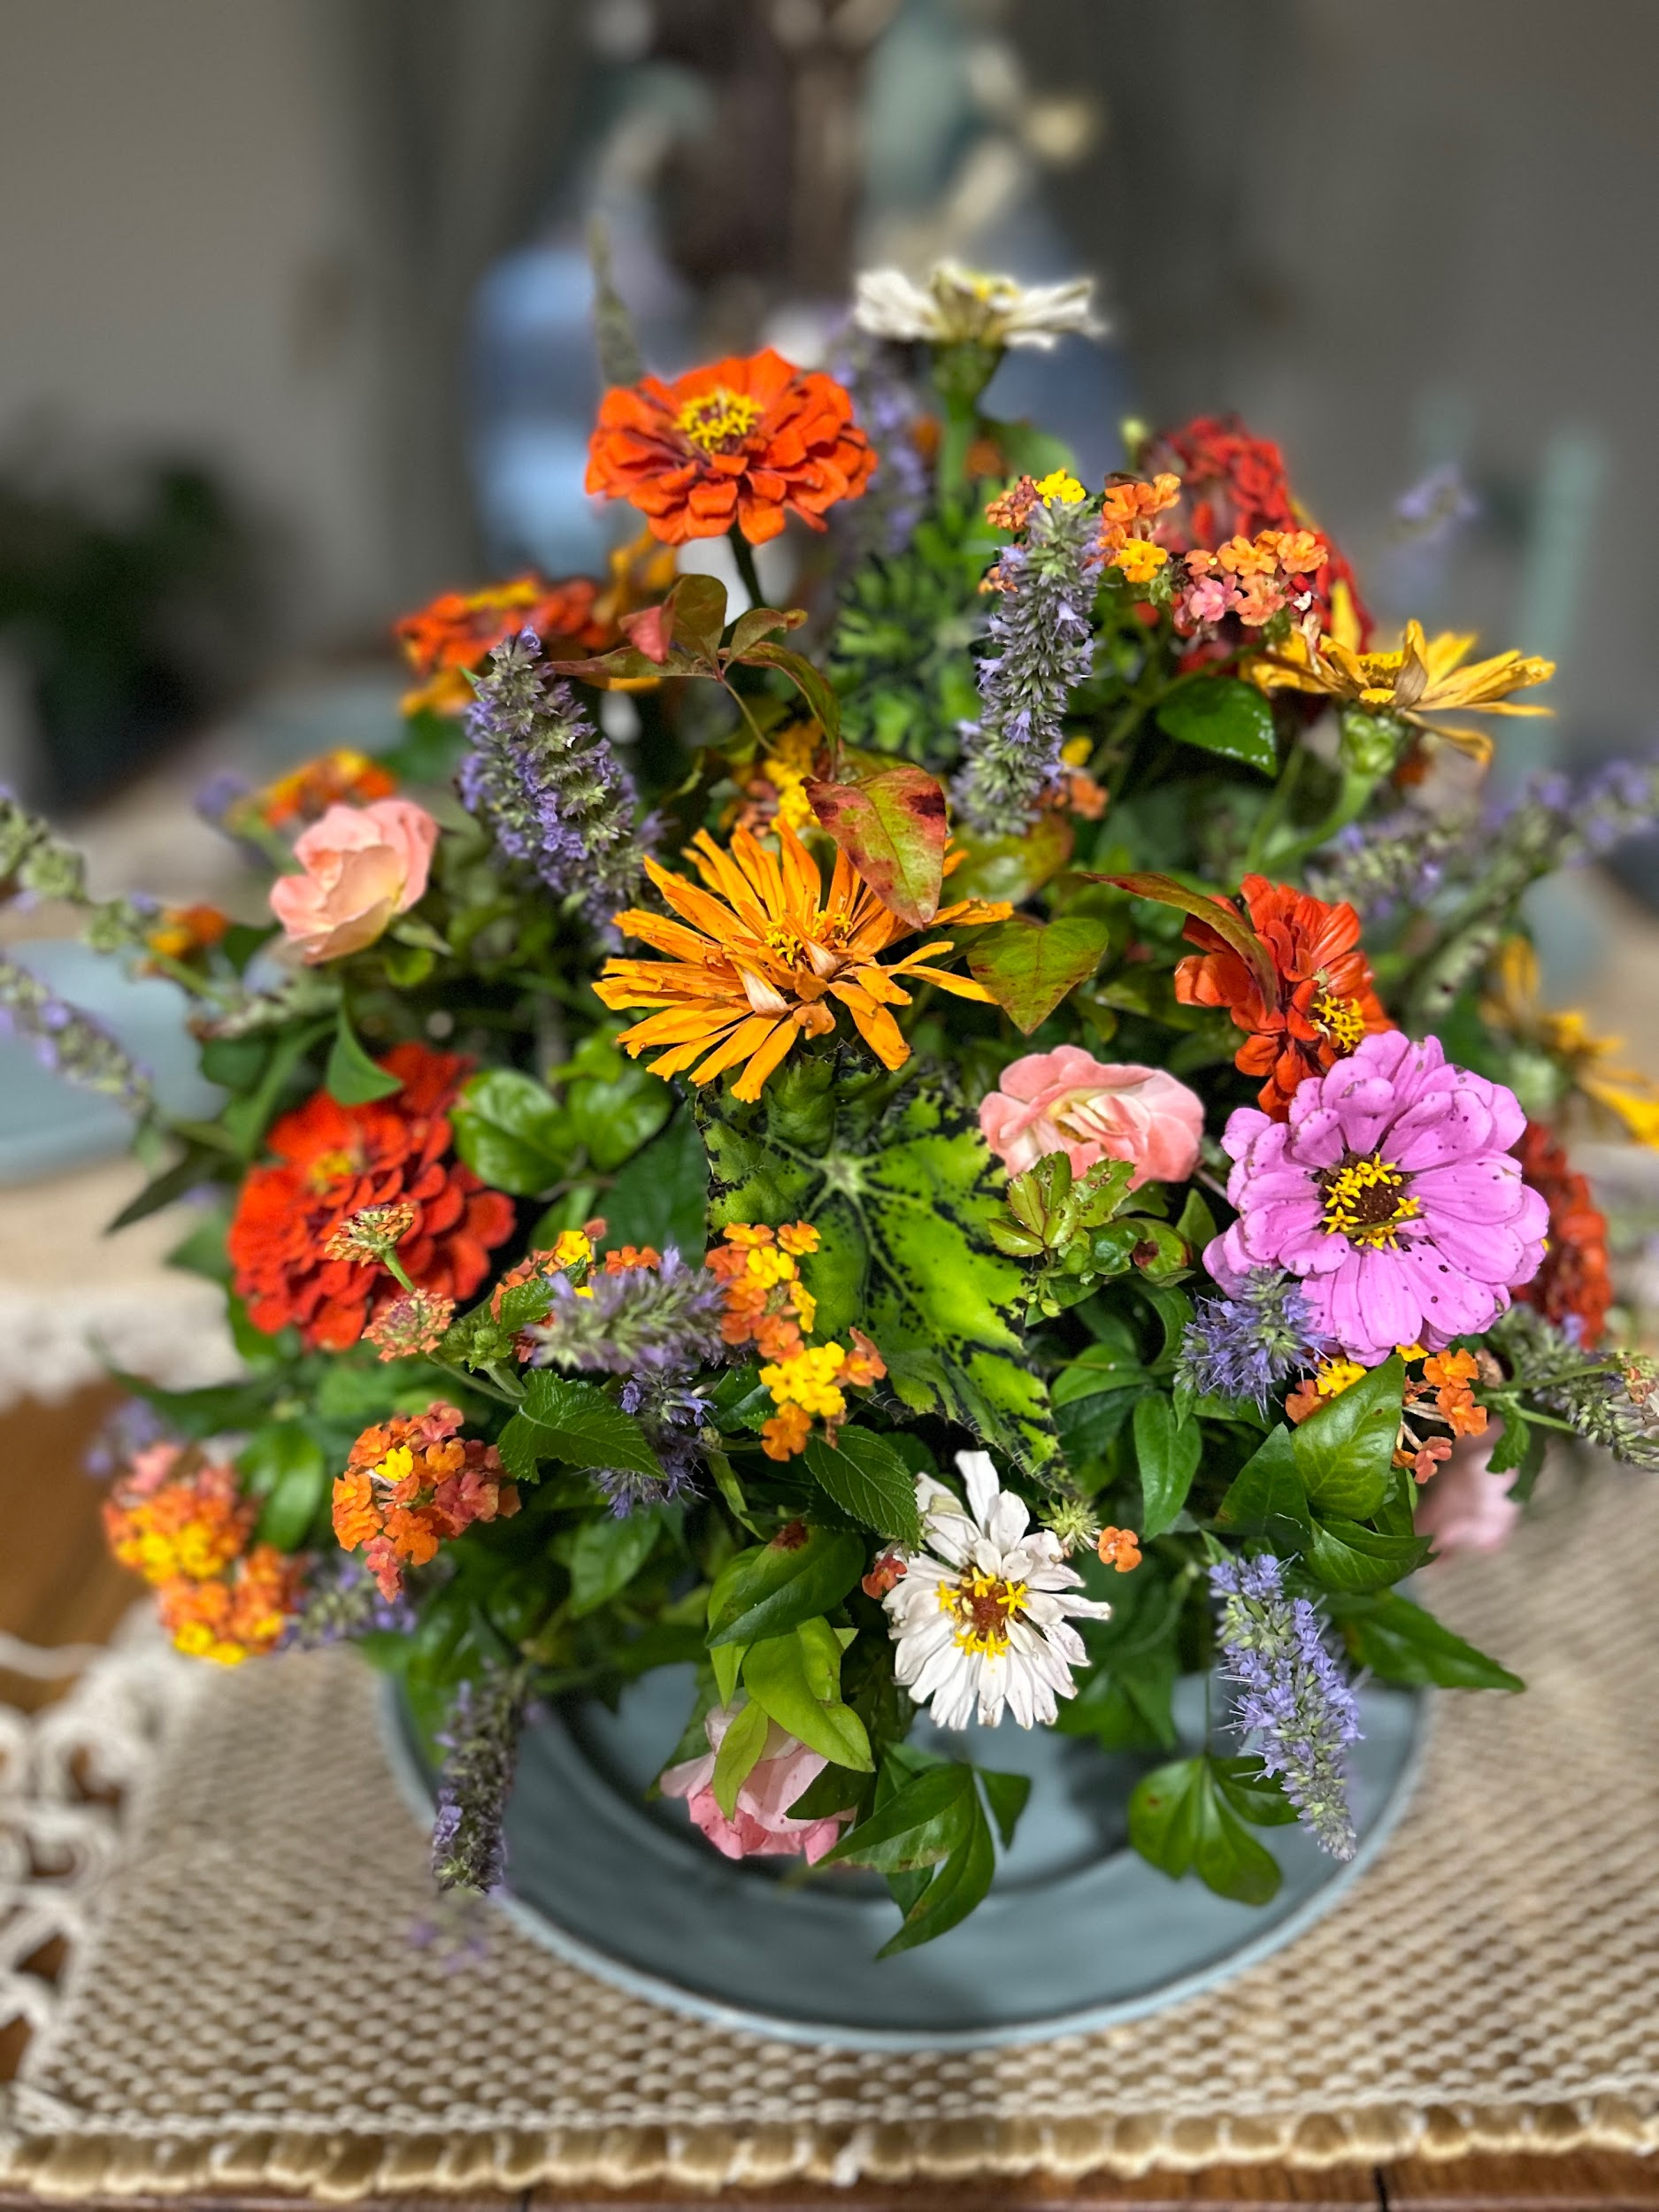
(761, 1821)
(1464, 1506)
(1091, 1109)
(362, 865)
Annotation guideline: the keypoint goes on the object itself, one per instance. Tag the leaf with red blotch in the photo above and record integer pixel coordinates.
(1219, 914)
(893, 827)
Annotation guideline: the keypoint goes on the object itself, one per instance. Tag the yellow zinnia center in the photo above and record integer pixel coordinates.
(719, 421)
(1341, 1020)
(1365, 1201)
(982, 1607)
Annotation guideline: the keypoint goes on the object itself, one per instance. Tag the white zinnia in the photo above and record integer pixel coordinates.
(957, 304)
(979, 1616)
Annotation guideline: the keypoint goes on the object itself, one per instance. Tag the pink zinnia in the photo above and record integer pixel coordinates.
(1392, 1192)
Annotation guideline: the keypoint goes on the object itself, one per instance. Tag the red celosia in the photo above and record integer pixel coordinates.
(335, 1160)
(1325, 1002)
(1574, 1283)
(411, 1482)
(1234, 485)
(746, 441)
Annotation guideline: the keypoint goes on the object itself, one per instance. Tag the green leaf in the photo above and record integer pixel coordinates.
(893, 827)
(902, 1197)
(1167, 1451)
(699, 616)
(1225, 716)
(1012, 867)
(1345, 1451)
(220, 1409)
(166, 1189)
(1401, 1643)
(868, 1480)
(738, 1754)
(1029, 966)
(605, 1555)
(918, 1827)
(1179, 1822)
(1006, 1794)
(244, 1119)
(575, 1423)
(1266, 1497)
(1197, 1223)
(661, 1197)
(775, 1586)
(776, 1677)
(1254, 1795)
(613, 1115)
(1100, 1367)
(762, 622)
(285, 1467)
(351, 1078)
(817, 690)
(957, 1888)
(236, 1062)
(1509, 1447)
(726, 1661)
(512, 1131)
(1345, 1556)
(1216, 913)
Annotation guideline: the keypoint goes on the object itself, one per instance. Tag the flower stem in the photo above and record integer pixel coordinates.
(743, 554)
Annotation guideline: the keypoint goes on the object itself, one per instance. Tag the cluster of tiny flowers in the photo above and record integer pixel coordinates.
(343, 777)
(342, 1602)
(480, 1745)
(1248, 1345)
(1394, 865)
(1294, 1705)
(410, 1325)
(34, 862)
(71, 1043)
(549, 786)
(411, 1482)
(186, 1527)
(765, 1304)
(1610, 1401)
(1043, 642)
(1253, 578)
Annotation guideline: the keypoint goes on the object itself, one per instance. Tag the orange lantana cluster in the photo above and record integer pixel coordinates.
(1128, 512)
(180, 933)
(1254, 579)
(1444, 1395)
(184, 1524)
(343, 777)
(411, 1482)
(768, 1306)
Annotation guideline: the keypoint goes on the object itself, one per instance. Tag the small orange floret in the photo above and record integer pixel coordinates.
(1119, 1547)
(410, 1484)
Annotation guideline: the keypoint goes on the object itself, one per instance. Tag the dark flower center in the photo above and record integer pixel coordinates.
(1365, 1200)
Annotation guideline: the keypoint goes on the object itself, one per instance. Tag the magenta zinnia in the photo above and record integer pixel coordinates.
(1392, 1192)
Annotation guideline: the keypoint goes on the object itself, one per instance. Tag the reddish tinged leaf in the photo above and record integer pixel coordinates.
(651, 630)
(893, 829)
(1220, 914)
(1028, 966)
(813, 686)
(759, 623)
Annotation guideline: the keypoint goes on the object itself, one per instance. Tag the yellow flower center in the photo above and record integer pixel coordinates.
(1341, 1020)
(719, 421)
(982, 1606)
(1365, 1201)
(330, 1167)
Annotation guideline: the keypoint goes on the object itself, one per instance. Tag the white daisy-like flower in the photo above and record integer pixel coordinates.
(956, 305)
(980, 1615)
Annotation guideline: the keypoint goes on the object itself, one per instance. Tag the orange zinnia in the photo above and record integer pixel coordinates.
(454, 631)
(758, 954)
(1324, 1002)
(746, 441)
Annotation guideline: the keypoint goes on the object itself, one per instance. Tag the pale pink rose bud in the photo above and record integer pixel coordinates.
(761, 1822)
(1091, 1109)
(362, 866)
(1464, 1506)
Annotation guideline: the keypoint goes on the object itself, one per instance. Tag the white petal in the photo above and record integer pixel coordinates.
(1022, 1691)
(980, 1477)
(994, 1687)
(1009, 1521)
(953, 1704)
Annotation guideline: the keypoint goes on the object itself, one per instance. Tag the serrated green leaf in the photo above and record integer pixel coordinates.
(738, 1754)
(351, 1078)
(1167, 1451)
(775, 1676)
(612, 1114)
(1400, 1642)
(868, 1480)
(775, 1586)
(1345, 1451)
(1223, 715)
(575, 1424)
(1029, 966)
(512, 1131)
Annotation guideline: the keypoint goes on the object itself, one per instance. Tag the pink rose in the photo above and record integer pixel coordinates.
(761, 1821)
(1465, 1507)
(362, 865)
(1092, 1111)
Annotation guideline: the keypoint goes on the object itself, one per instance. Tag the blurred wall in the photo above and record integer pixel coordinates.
(179, 269)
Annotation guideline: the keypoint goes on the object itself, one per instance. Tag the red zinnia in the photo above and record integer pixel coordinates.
(1573, 1284)
(746, 441)
(333, 1161)
(1325, 1003)
(458, 628)
(1234, 485)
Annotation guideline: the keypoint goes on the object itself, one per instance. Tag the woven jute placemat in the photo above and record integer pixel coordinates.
(269, 1996)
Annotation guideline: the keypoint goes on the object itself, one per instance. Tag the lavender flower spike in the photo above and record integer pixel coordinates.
(69, 1043)
(549, 784)
(1044, 637)
(1246, 1346)
(481, 1740)
(1294, 1705)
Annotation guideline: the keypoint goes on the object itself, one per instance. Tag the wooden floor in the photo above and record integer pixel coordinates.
(58, 1587)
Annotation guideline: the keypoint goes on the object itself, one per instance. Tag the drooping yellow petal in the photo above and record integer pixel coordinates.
(874, 1024)
(770, 1057)
(747, 1038)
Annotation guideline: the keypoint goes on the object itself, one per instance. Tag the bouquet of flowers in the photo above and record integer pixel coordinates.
(963, 1145)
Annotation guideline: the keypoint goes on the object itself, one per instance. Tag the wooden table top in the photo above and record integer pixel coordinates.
(58, 1586)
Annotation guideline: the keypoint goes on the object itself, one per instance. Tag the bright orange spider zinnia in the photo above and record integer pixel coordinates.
(760, 953)
(749, 440)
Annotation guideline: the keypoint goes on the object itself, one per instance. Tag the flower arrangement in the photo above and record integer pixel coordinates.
(995, 1154)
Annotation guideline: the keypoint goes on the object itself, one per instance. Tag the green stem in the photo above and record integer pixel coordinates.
(1259, 850)
(743, 554)
(1353, 796)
